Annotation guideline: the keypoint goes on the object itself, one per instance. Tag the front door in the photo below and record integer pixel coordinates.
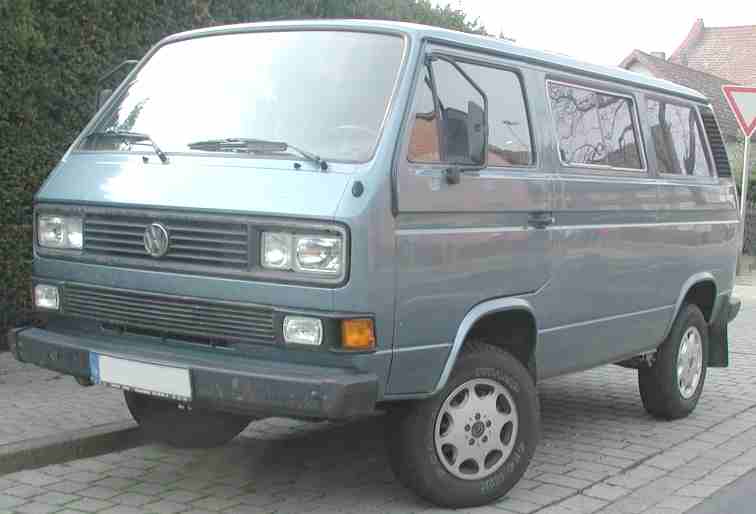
(468, 237)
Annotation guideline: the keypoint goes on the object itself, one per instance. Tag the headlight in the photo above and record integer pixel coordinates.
(276, 250)
(303, 252)
(46, 297)
(302, 330)
(318, 254)
(62, 232)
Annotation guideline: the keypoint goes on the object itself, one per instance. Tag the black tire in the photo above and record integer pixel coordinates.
(163, 421)
(658, 384)
(411, 433)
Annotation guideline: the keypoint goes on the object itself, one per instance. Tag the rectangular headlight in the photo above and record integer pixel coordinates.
(46, 297)
(303, 330)
(309, 253)
(276, 250)
(318, 254)
(61, 232)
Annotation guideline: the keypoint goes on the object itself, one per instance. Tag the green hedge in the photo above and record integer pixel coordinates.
(53, 51)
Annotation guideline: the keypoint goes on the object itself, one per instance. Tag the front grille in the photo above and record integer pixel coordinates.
(213, 244)
(718, 150)
(210, 321)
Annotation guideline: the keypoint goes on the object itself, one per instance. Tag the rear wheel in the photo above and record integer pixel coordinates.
(165, 421)
(471, 443)
(671, 387)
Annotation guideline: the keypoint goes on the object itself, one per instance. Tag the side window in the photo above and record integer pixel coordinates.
(594, 128)
(677, 138)
(450, 133)
(509, 141)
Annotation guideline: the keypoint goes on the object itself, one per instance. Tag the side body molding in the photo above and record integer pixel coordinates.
(479, 311)
(703, 276)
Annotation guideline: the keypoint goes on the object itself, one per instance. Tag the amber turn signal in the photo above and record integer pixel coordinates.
(357, 334)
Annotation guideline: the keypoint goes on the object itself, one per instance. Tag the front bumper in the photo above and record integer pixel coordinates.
(228, 382)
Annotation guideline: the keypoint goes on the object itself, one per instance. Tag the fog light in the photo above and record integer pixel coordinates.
(302, 330)
(357, 334)
(46, 297)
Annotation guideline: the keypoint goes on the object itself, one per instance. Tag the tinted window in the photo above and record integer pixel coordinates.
(509, 142)
(266, 85)
(677, 138)
(594, 128)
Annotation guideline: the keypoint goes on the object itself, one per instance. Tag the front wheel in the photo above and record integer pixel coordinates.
(670, 388)
(164, 421)
(471, 443)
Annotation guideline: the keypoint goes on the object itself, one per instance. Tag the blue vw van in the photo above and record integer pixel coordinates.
(325, 219)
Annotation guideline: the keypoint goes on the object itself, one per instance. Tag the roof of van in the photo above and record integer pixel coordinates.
(499, 46)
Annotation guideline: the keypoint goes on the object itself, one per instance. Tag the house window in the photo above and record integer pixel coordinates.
(594, 128)
(677, 138)
(509, 141)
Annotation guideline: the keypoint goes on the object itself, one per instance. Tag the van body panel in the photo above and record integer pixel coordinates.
(261, 186)
(460, 245)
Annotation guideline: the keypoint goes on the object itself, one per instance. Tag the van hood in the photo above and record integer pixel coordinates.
(209, 183)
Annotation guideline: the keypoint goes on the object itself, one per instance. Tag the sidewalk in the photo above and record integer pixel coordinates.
(35, 403)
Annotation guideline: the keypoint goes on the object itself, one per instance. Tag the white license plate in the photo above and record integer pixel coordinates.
(142, 377)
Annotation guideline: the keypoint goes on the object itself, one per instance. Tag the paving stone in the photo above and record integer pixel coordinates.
(606, 492)
(55, 498)
(89, 505)
(36, 508)
(8, 502)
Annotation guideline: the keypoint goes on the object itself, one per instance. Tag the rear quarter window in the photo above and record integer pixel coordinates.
(678, 139)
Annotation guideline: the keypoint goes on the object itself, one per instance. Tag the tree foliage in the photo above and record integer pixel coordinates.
(52, 53)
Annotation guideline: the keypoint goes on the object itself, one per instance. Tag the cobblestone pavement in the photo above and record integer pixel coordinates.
(36, 403)
(600, 453)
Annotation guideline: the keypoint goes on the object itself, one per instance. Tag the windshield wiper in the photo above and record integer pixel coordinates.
(250, 145)
(127, 136)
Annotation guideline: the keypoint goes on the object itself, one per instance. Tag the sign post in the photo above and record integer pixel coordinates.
(742, 101)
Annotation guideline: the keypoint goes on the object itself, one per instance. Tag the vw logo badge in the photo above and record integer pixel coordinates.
(156, 240)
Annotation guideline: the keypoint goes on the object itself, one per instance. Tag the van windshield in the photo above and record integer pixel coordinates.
(323, 91)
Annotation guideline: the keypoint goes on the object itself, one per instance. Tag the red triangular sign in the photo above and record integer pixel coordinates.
(742, 101)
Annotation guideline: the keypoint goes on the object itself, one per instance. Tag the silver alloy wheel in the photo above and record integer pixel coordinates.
(476, 429)
(689, 362)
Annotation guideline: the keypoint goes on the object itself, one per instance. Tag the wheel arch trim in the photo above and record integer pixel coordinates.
(695, 279)
(468, 322)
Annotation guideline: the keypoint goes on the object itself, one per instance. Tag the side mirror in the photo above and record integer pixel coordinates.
(476, 132)
(102, 97)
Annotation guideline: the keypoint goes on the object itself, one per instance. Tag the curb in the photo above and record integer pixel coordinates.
(55, 449)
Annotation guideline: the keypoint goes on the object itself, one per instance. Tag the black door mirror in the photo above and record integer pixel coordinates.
(102, 97)
(476, 133)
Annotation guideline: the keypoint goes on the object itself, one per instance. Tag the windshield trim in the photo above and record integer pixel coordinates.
(107, 108)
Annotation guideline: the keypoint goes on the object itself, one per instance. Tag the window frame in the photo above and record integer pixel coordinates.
(455, 60)
(702, 138)
(638, 130)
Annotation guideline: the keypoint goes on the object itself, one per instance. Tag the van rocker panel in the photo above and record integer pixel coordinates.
(224, 382)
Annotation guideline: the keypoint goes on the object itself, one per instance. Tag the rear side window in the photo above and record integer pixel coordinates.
(677, 138)
(595, 128)
(509, 141)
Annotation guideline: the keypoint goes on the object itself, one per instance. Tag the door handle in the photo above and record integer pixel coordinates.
(541, 219)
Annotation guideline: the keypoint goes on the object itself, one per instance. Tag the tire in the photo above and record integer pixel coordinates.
(666, 393)
(163, 421)
(440, 473)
